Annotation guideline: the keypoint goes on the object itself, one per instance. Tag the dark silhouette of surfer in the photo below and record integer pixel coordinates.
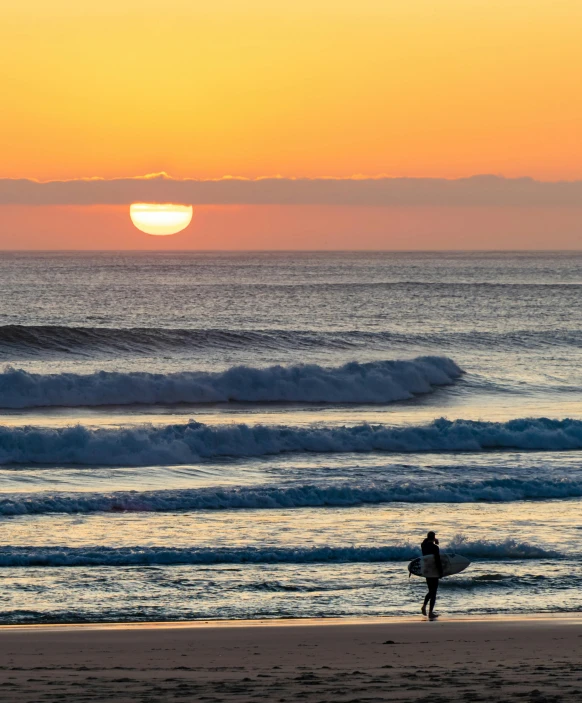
(431, 546)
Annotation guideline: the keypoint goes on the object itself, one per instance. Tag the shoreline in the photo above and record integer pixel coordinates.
(573, 618)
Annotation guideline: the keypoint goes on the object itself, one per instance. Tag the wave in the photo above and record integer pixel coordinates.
(374, 382)
(166, 556)
(34, 341)
(191, 442)
(40, 339)
(287, 497)
(461, 583)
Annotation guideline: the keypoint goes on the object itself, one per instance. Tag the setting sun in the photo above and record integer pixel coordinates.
(160, 219)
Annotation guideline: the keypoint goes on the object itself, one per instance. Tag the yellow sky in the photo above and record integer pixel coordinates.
(297, 88)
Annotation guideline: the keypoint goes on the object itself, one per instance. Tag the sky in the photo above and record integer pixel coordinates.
(312, 92)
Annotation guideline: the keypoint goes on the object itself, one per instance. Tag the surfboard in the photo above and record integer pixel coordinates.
(426, 568)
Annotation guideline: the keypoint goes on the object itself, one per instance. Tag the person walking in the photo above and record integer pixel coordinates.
(431, 546)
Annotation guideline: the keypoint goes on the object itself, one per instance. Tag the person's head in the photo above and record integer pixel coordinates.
(431, 536)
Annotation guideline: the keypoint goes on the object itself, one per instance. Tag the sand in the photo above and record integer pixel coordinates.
(535, 659)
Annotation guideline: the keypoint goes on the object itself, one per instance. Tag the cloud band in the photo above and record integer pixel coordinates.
(477, 191)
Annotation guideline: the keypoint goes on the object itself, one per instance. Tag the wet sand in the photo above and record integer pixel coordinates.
(536, 659)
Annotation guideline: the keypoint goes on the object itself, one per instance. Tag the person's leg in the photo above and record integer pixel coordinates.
(426, 598)
(433, 587)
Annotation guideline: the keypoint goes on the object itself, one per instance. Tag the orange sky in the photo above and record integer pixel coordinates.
(309, 88)
(298, 227)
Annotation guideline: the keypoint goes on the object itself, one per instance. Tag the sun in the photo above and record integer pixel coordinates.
(160, 218)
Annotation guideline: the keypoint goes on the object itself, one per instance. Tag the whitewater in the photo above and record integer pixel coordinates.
(184, 444)
(374, 382)
(132, 556)
(188, 435)
(269, 497)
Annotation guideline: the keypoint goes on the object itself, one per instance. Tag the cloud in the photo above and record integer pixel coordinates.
(477, 191)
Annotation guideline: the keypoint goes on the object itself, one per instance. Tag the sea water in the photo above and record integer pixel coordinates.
(263, 435)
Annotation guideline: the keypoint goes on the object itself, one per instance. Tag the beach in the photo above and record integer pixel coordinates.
(394, 659)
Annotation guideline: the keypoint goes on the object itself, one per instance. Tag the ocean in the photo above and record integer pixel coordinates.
(195, 435)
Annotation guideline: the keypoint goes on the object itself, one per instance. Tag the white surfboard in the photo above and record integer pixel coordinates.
(426, 568)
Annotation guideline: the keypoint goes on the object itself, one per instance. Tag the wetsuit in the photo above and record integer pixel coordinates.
(429, 547)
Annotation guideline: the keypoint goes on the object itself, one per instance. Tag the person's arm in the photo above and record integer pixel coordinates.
(437, 560)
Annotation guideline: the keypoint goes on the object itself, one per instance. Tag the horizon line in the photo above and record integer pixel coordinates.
(292, 251)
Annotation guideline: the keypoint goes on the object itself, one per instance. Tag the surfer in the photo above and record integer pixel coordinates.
(431, 546)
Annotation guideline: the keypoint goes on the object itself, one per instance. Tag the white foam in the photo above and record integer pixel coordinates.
(269, 497)
(185, 444)
(374, 382)
(129, 556)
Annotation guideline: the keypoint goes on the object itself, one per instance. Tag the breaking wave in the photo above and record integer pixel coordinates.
(374, 382)
(138, 556)
(295, 496)
(188, 443)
